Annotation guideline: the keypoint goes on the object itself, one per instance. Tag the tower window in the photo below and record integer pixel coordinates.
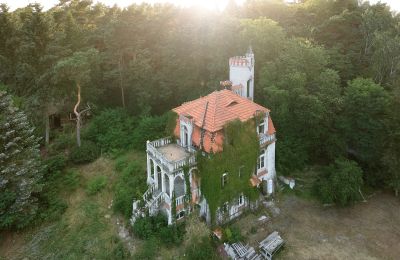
(224, 179)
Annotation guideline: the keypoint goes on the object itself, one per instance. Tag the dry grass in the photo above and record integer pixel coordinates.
(365, 231)
(87, 230)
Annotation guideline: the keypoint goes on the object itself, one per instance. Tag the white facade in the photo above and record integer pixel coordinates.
(241, 73)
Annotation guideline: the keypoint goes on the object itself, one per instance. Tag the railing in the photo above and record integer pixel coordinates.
(180, 200)
(154, 204)
(166, 198)
(265, 138)
(171, 166)
(149, 192)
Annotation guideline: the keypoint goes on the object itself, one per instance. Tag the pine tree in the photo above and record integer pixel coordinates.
(20, 166)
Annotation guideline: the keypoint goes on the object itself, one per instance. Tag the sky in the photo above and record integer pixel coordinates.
(211, 4)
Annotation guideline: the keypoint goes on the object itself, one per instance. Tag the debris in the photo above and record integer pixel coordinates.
(270, 245)
(288, 181)
(263, 218)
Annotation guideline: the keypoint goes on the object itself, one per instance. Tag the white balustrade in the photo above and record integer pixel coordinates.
(180, 200)
(266, 138)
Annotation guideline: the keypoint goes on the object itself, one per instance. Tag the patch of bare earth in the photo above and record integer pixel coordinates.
(369, 230)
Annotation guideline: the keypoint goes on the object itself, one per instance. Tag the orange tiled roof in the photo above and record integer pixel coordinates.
(271, 127)
(222, 106)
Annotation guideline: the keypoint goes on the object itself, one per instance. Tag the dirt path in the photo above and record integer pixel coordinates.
(368, 230)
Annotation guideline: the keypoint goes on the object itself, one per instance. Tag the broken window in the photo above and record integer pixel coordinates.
(261, 127)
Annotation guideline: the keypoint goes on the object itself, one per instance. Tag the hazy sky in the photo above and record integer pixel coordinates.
(212, 4)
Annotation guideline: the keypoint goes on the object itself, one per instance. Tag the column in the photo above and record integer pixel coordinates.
(162, 181)
(148, 169)
(171, 185)
(155, 175)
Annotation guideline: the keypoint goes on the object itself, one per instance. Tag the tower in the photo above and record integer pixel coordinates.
(241, 74)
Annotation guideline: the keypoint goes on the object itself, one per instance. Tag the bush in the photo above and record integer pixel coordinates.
(149, 128)
(157, 226)
(111, 130)
(232, 235)
(201, 250)
(71, 180)
(148, 250)
(61, 142)
(55, 163)
(341, 183)
(96, 185)
(130, 184)
(88, 152)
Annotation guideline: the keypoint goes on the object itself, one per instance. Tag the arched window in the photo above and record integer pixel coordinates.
(261, 160)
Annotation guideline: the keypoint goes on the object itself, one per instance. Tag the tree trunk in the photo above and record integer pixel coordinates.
(47, 129)
(120, 81)
(78, 117)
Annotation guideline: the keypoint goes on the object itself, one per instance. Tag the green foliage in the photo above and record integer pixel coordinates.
(232, 235)
(149, 128)
(201, 250)
(157, 226)
(240, 151)
(149, 250)
(130, 184)
(55, 163)
(88, 152)
(20, 167)
(170, 124)
(96, 184)
(341, 183)
(111, 129)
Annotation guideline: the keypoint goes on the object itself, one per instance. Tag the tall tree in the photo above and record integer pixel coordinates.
(76, 70)
(20, 166)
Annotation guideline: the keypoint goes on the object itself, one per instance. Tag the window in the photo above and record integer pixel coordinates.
(180, 215)
(241, 171)
(241, 199)
(224, 179)
(261, 127)
(261, 160)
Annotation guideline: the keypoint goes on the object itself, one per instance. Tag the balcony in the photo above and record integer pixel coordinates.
(266, 139)
(169, 155)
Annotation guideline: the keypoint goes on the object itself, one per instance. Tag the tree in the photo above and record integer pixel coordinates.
(365, 106)
(341, 183)
(76, 69)
(20, 166)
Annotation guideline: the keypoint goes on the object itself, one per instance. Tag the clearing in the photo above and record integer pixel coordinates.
(369, 230)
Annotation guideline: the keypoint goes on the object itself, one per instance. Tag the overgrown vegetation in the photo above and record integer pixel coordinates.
(87, 152)
(130, 184)
(341, 183)
(238, 159)
(96, 185)
(157, 227)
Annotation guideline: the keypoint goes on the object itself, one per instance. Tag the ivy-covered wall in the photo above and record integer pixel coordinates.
(240, 153)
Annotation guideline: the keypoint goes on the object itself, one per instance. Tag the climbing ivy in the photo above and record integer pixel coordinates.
(188, 194)
(240, 152)
(171, 123)
(173, 207)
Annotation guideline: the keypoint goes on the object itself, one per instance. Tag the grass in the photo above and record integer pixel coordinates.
(87, 229)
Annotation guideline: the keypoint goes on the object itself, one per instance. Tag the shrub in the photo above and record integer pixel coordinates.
(111, 129)
(232, 234)
(200, 250)
(71, 180)
(340, 183)
(148, 250)
(61, 142)
(130, 184)
(55, 163)
(96, 185)
(88, 152)
(149, 128)
(157, 226)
